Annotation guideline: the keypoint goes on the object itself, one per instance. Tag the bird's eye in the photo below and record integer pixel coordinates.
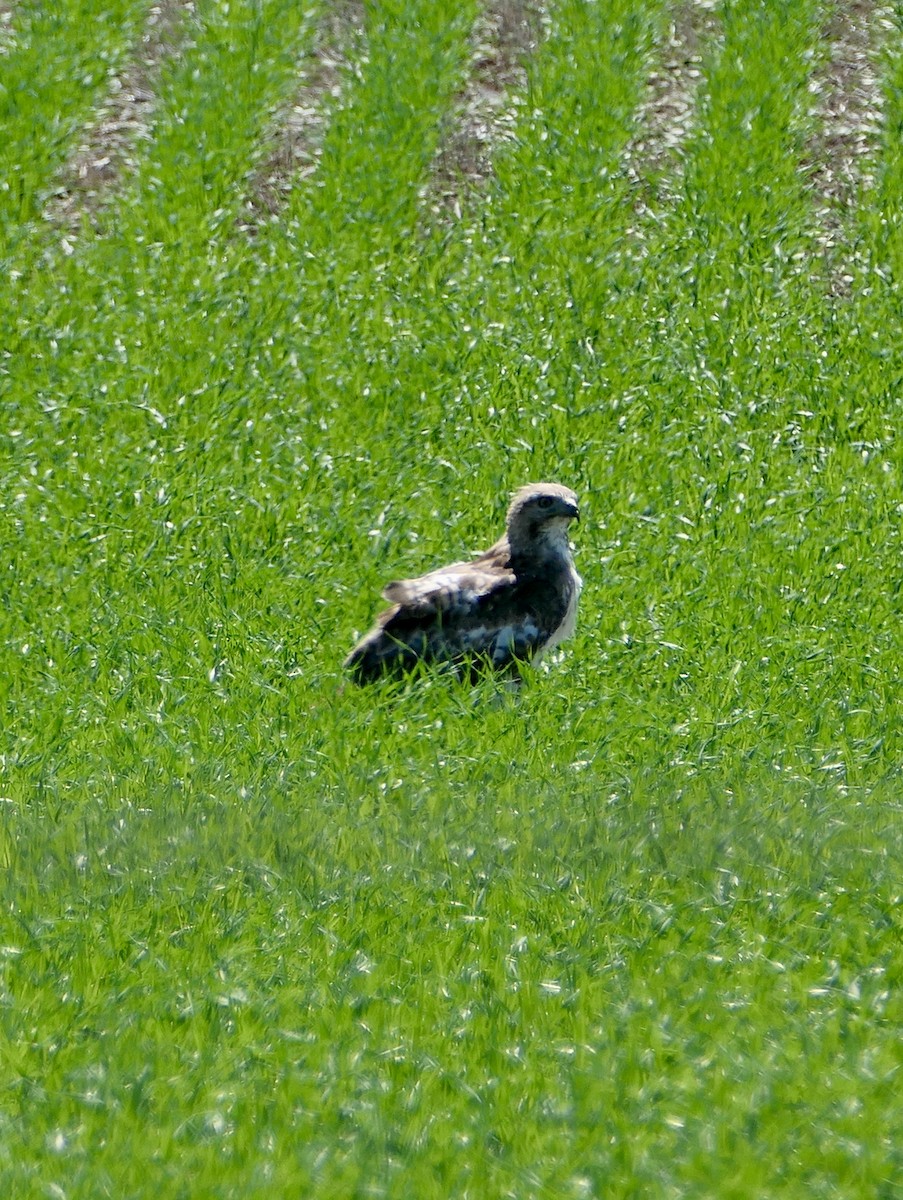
(545, 502)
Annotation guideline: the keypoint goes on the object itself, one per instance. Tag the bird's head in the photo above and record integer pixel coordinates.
(539, 516)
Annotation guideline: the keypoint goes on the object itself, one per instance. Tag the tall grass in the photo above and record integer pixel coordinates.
(634, 931)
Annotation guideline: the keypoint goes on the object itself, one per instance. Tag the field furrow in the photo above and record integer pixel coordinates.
(57, 63)
(504, 35)
(121, 124)
(848, 104)
(666, 113)
(215, 109)
(300, 124)
(350, 248)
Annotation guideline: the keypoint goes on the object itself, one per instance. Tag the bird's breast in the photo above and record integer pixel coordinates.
(569, 620)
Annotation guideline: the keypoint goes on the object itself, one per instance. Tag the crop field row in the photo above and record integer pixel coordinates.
(99, 137)
(291, 297)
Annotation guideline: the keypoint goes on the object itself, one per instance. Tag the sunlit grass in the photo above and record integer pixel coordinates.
(633, 931)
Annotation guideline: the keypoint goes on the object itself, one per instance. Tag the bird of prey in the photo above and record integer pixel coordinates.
(509, 605)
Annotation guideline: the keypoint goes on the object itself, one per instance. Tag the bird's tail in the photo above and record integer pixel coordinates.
(378, 654)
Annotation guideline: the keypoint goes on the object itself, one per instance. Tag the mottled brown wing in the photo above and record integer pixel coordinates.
(480, 610)
(452, 589)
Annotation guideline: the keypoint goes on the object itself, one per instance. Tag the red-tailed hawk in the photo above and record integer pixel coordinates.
(517, 600)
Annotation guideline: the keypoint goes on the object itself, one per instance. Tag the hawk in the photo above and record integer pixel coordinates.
(509, 605)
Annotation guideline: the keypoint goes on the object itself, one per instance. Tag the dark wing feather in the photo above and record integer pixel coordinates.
(479, 610)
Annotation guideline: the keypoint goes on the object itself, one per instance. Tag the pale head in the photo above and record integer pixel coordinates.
(539, 516)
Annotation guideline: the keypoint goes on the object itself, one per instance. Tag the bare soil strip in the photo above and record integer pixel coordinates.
(848, 102)
(667, 113)
(298, 128)
(109, 146)
(7, 33)
(506, 33)
(847, 99)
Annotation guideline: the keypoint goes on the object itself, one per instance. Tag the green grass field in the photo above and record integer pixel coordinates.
(634, 932)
